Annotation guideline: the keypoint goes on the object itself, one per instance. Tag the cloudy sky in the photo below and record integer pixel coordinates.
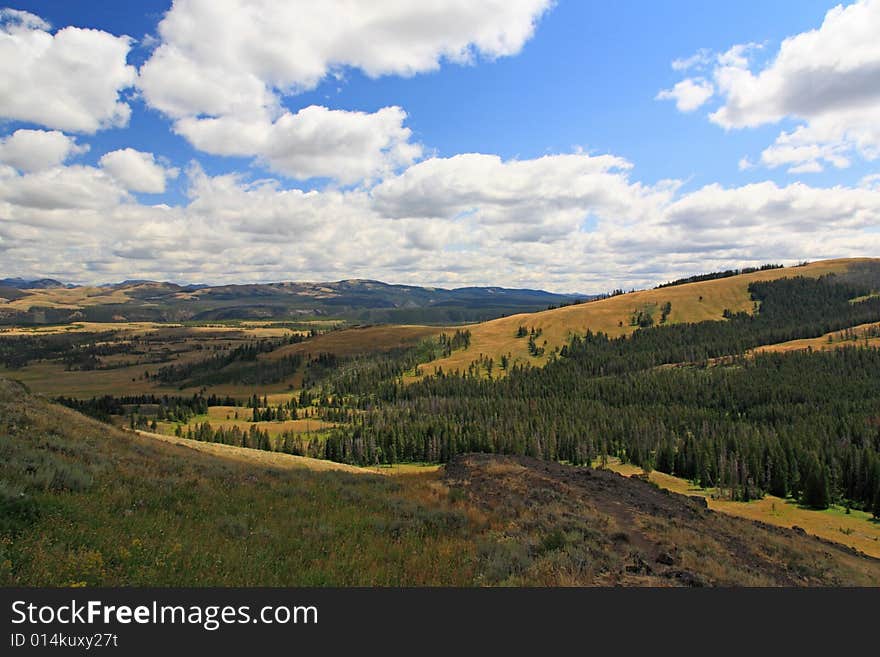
(569, 145)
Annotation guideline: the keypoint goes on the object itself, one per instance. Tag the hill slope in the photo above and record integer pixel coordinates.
(690, 302)
(600, 526)
(83, 503)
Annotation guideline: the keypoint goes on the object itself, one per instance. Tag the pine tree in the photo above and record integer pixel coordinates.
(817, 494)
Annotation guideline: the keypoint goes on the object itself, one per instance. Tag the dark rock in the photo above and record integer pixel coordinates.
(665, 558)
(699, 500)
(685, 578)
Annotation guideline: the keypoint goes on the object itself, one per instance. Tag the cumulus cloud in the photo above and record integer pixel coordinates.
(689, 94)
(137, 171)
(540, 199)
(826, 79)
(229, 100)
(566, 222)
(58, 188)
(70, 80)
(470, 219)
(32, 150)
(314, 142)
(290, 46)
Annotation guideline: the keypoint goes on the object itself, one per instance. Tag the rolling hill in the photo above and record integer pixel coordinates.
(689, 302)
(362, 301)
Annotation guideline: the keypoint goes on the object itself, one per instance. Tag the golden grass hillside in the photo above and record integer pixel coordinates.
(861, 335)
(691, 302)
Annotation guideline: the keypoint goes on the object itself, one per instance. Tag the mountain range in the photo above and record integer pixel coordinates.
(357, 300)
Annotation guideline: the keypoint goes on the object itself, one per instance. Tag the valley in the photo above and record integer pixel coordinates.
(755, 391)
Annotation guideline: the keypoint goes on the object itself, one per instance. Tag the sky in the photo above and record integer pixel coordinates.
(571, 146)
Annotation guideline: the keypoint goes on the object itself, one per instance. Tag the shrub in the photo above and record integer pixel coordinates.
(17, 510)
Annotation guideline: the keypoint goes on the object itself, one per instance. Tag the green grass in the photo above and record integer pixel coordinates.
(84, 504)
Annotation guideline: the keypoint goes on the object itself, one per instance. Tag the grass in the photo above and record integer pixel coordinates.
(261, 457)
(692, 302)
(51, 378)
(856, 529)
(84, 504)
(73, 298)
(833, 340)
(359, 340)
(135, 510)
(224, 416)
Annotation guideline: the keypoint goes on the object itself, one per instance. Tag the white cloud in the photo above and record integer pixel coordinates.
(58, 188)
(698, 60)
(290, 46)
(32, 150)
(827, 80)
(137, 171)
(22, 20)
(744, 213)
(470, 219)
(229, 100)
(314, 142)
(689, 94)
(541, 199)
(69, 80)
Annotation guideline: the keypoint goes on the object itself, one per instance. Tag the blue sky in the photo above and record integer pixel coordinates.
(587, 79)
(584, 82)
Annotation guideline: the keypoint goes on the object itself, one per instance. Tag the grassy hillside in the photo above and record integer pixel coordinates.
(691, 302)
(85, 504)
(867, 335)
(82, 503)
(569, 525)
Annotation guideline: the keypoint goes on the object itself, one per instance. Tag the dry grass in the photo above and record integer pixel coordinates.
(855, 529)
(359, 340)
(183, 342)
(73, 298)
(837, 340)
(258, 457)
(250, 330)
(693, 302)
(133, 328)
(224, 416)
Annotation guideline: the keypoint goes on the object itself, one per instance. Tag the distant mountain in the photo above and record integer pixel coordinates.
(24, 284)
(357, 300)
